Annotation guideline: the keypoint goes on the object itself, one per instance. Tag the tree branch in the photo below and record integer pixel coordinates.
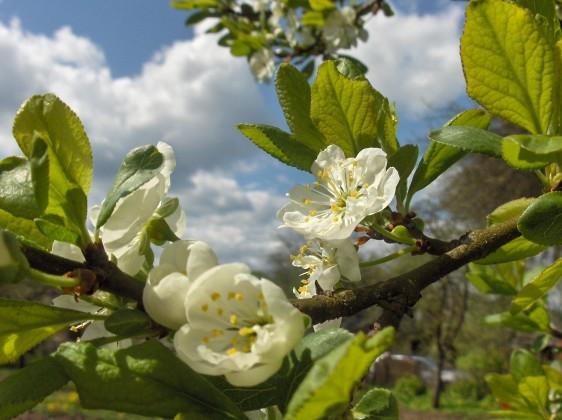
(398, 294)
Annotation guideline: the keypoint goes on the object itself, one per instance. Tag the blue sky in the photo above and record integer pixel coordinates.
(137, 75)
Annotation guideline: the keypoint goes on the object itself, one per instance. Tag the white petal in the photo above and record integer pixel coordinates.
(348, 261)
(201, 259)
(331, 155)
(129, 259)
(253, 376)
(164, 298)
(66, 250)
(331, 323)
(177, 221)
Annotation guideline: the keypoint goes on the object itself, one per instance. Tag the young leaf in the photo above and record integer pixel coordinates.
(523, 363)
(328, 386)
(509, 210)
(541, 222)
(351, 67)
(17, 192)
(147, 379)
(468, 139)
(376, 404)
(140, 165)
(439, 157)
(538, 287)
(53, 228)
(509, 64)
(488, 280)
(350, 113)
(504, 389)
(404, 160)
(531, 152)
(27, 387)
(25, 230)
(517, 249)
(280, 145)
(25, 324)
(49, 118)
(537, 320)
(293, 93)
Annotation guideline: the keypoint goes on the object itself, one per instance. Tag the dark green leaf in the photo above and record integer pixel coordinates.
(127, 322)
(197, 17)
(404, 160)
(376, 404)
(25, 230)
(280, 145)
(39, 164)
(25, 324)
(468, 139)
(541, 222)
(159, 232)
(523, 363)
(147, 379)
(54, 229)
(140, 165)
(27, 387)
(14, 267)
(239, 48)
(351, 67)
(17, 195)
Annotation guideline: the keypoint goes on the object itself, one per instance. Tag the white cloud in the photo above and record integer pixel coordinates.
(414, 59)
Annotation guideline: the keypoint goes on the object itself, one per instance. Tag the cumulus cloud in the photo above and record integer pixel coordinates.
(414, 58)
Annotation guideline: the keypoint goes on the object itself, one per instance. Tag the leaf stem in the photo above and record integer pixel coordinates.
(53, 280)
(390, 257)
(389, 235)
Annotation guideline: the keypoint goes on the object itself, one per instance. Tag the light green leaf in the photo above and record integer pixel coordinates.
(25, 230)
(523, 364)
(531, 152)
(537, 320)
(139, 166)
(280, 145)
(350, 113)
(538, 287)
(322, 4)
(25, 324)
(70, 154)
(515, 250)
(439, 157)
(376, 404)
(541, 222)
(27, 387)
(327, 388)
(547, 10)
(535, 391)
(509, 210)
(293, 93)
(504, 389)
(239, 48)
(468, 139)
(14, 266)
(404, 160)
(146, 379)
(194, 4)
(39, 166)
(313, 18)
(295, 367)
(509, 64)
(487, 280)
(351, 67)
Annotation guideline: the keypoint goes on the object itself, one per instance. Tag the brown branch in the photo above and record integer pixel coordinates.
(403, 291)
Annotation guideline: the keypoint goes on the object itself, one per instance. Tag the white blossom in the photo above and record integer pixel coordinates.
(122, 234)
(180, 264)
(262, 65)
(344, 193)
(326, 263)
(341, 31)
(238, 325)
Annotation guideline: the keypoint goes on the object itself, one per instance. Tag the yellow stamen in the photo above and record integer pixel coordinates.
(234, 341)
(307, 219)
(206, 340)
(247, 348)
(245, 331)
(231, 351)
(306, 202)
(313, 212)
(220, 311)
(353, 194)
(205, 307)
(215, 296)
(217, 333)
(233, 319)
(302, 289)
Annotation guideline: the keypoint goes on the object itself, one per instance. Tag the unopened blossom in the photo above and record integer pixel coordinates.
(325, 264)
(346, 191)
(123, 233)
(341, 31)
(238, 325)
(262, 65)
(180, 264)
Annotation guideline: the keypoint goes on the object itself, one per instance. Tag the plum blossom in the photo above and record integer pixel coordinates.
(326, 263)
(346, 191)
(262, 65)
(124, 233)
(180, 264)
(238, 325)
(340, 30)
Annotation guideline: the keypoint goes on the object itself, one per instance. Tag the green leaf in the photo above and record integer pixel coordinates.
(295, 367)
(280, 145)
(538, 287)
(523, 364)
(487, 280)
(14, 267)
(239, 48)
(27, 387)
(159, 232)
(541, 222)
(350, 113)
(17, 195)
(351, 67)
(535, 321)
(517, 249)
(313, 18)
(140, 166)
(535, 391)
(39, 165)
(504, 388)
(404, 160)
(54, 229)
(194, 4)
(322, 5)
(509, 64)
(70, 154)
(25, 230)
(327, 388)
(25, 324)
(147, 379)
(197, 17)
(127, 322)
(509, 210)
(546, 10)
(376, 404)
(293, 93)
(439, 157)
(468, 139)
(531, 152)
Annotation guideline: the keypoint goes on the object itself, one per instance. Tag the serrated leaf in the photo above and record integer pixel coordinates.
(439, 157)
(509, 210)
(27, 387)
(517, 249)
(404, 160)
(531, 152)
(350, 113)
(509, 64)
(280, 145)
(139, 166)
(468, 139)
(376, 404)
(541, 222)
(293, 93)
(25, 324)
(327, 388)
(147, 379)
(538, 287)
